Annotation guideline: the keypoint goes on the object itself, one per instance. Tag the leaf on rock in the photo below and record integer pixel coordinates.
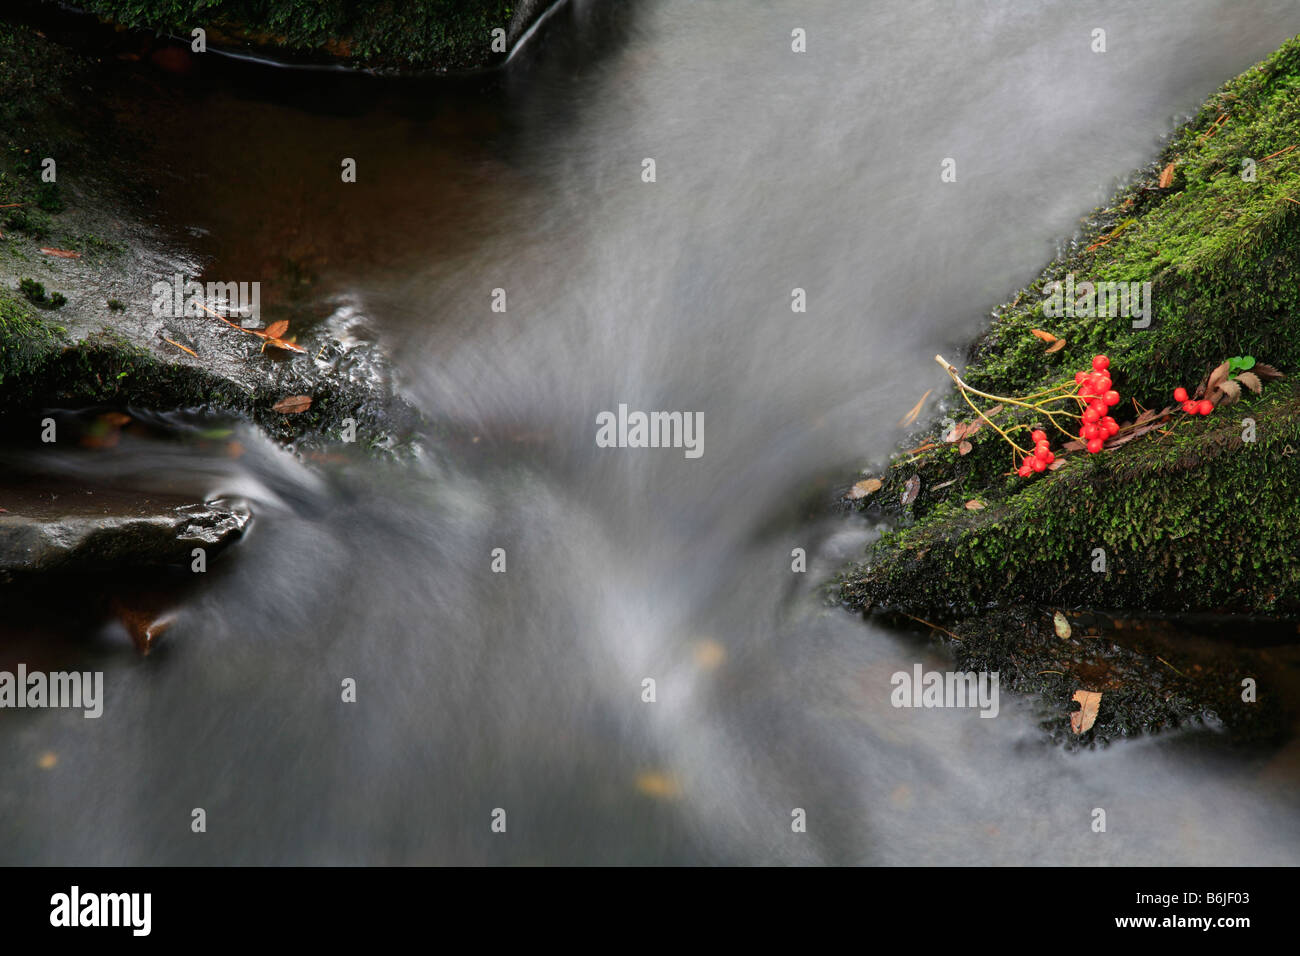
(964, 430)
(1167, 176)
(916, 410)
(1081, 720)
(1267, 372)
(964, 448)
(276, 330)
(1251, 381)
(911, 489)
(1062, 626)
(863, 488)
(61, 253)
(292, 405)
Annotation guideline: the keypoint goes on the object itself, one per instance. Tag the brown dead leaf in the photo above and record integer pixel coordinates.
(965, 430)
(1251, 381)
(292, 405)
(116, 419)
(1217, 378)
(1056, 346)
(1229, 392)
(1266, 372)
(1081, 720)
(283, 344)
(920, 448)
(974, 505)
(179, 346)
(911, 489)
(1058, 463)
(916, 410)
(62, 253)
(276, 330)
(863, 488)
(1167, 176)
(964, 448)
(1047, 337)
(142, 621)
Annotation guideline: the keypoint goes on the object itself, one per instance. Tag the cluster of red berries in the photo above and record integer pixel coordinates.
(1191, 407)
(1095, 388)
(1040, 459)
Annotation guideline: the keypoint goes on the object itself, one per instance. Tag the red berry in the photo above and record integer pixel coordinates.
(1094, 446)
(1090, 431)
(1206, 406)
(1050, 458)
(1042, 453)
(1112, 397)
(1099, 382)
(1101, 363)
(1180, 394)
(1038, 464)
(1090, 415)
(1112, 426)
(1024, 471)
(1080, 377)
(1038, 435)
(1190, 408)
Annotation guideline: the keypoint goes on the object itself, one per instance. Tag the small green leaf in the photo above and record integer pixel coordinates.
(1240, 363)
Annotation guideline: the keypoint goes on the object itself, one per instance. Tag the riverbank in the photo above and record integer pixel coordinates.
(1196, 515)
(443, 36)
(80, 259)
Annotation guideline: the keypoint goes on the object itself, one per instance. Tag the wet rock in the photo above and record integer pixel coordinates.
(97, 530)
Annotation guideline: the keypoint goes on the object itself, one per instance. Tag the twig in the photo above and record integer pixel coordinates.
(1170, 666)
(179, 346)
(928, 624)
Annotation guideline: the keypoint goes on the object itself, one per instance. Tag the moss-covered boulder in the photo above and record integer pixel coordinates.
(1197, 515)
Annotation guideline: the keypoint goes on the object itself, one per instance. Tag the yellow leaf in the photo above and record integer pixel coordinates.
(863, 488)
(1062, 626)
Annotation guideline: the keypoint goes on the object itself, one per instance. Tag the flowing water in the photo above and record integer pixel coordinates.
(523, 690)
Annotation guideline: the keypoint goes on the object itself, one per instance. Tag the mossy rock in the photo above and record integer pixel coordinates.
(1200, 518)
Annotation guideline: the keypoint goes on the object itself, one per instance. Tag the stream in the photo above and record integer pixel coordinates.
(523, 690)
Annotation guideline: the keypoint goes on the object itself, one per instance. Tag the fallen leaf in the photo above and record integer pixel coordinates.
(1229, 392)
(142, 622)
(292, 405)
(1056, 346)
(117, 419)
(1217, 377)
(974, 505)
(1058, 463)
(1251, 381)
(282, 344)
(62, 253)
(916, 410)
(964, 448)
(920, 448)
(965, 430)
(863, 488)
(276, 330)
(1266, 372)
(911, 489)
(1167, 176)
(1081, 720)
(950, 481)
(1045, 336)
(1062, 626)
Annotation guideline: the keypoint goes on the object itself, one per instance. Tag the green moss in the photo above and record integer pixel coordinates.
(1198, 519)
